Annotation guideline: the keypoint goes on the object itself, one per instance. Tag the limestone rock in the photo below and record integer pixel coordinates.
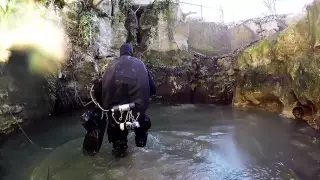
(208, 38)
(162, 28)
(282, 75)
(197, 80)
(241, 35)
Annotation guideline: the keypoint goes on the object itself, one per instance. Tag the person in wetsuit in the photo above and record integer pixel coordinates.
(126, 80)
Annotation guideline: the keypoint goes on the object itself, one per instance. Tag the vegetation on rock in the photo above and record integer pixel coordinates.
(283, 74)
(280, 73)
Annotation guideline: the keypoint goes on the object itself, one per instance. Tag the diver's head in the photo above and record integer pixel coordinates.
(126, 49)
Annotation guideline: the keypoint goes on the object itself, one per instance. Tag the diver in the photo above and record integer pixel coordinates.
(126, 80)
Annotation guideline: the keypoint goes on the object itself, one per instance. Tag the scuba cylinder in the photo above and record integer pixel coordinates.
(94, 122)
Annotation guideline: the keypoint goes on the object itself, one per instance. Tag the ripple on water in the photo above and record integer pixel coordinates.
(218, 134)
(168, 155)
(179, 133)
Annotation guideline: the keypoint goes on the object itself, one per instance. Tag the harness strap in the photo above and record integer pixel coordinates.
(129, 117)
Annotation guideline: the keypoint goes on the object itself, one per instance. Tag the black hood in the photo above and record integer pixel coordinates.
(126, 49)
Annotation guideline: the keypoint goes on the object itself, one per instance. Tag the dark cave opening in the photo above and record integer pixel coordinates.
(302, 109)
(139, 11)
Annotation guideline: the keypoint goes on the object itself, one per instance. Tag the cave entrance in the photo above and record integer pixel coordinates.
(139, 10)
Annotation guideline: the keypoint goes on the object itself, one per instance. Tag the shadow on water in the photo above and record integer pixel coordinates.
(186, 142)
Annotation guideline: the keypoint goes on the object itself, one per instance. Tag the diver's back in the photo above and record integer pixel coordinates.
(131, 83)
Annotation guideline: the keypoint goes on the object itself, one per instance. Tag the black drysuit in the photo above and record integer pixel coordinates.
(127, 80)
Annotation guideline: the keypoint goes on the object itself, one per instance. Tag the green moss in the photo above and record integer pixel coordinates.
(306, 79)
(80, 26)
(150, 18)
(260, 54)
(103, 65)
(6, 123)
(293, 66)
(151, 14)
(295, 41)
(85, 74)
(167, 8)
(86, 30)
(125, 5)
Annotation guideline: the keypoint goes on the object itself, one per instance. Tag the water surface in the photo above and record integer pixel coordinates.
(185, 142)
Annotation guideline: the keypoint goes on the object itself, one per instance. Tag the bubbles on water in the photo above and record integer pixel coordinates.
(299, 144)
(218, 134)
(180, 133)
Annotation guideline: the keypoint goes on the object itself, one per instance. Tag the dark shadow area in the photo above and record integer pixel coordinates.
(138, 14)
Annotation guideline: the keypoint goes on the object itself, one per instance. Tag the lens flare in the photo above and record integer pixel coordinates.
(26, 25)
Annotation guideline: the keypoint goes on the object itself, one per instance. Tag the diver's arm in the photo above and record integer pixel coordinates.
(152, 84)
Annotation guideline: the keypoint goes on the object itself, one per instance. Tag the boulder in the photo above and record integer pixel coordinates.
(281, 73)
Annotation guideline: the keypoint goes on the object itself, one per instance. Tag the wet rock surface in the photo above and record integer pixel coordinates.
(202, 80)
(280, 73)
(188, 66)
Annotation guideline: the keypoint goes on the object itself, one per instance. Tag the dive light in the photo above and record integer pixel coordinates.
(124, 107)
(129, 125)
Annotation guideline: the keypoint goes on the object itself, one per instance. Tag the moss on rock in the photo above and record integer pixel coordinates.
(86, 72)
(285, 71)
(295, 41)
(7, 123)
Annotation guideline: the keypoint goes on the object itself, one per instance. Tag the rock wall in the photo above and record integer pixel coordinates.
(28, 69)
(208, 38)
(95, 31)
(201, 80)
(180, 55)
(217, 39)
(281, 73)
(240, 36)
(246, 32)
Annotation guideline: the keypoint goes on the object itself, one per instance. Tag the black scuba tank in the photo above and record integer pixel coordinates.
(94, 122)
